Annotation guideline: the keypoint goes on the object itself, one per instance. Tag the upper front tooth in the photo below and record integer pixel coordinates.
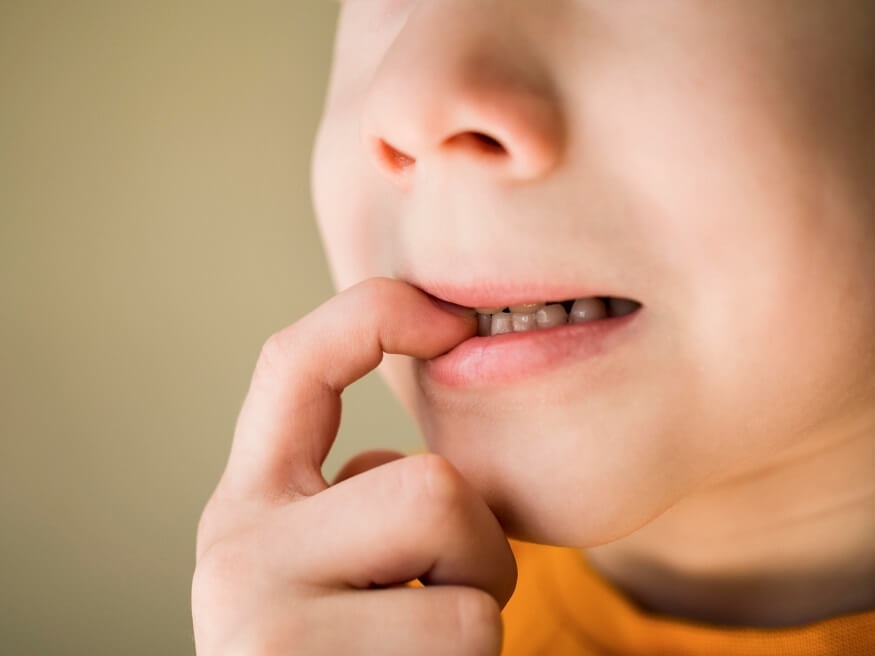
(552, 314)
(587, 309)
(526, 308)
(488, 310)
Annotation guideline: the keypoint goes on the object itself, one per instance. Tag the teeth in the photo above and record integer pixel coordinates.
(484, 324)
(526, 308)
(501, 323)
(620, 306)
(522, 321)
(587, 309)
(531, 316)
(551, 315)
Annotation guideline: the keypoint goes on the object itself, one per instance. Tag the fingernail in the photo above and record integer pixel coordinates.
(458, 310)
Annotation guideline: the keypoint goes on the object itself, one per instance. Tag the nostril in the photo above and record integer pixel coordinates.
(393, 158)
(398, 162)
(482, 142)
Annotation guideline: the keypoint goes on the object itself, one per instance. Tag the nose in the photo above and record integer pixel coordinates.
(455, 90)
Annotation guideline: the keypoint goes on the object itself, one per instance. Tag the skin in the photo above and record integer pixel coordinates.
(286, 563)
(712, 160)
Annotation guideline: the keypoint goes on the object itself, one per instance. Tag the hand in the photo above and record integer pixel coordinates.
(287, 564)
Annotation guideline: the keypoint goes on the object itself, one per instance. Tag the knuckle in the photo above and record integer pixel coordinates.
(231, 595)
(216, 520)
(380, 290)
(224, 585)
(277, 357)
(210, 608)
(205, 530)
(271, 356)
(271, 638)
(215, 574)
(478, 622)
(378, 286)
(438, 481)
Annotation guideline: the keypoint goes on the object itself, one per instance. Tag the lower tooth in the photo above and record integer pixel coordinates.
(501, 323)
(522, 322)
(587, 309)
(484, 325)
(551, 315)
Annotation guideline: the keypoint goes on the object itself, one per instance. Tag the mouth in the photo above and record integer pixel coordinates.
(534, 316)
(526, 337)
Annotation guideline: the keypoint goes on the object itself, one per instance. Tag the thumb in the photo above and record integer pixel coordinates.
(364, 461)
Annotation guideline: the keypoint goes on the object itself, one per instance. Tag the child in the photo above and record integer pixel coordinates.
(623, 256)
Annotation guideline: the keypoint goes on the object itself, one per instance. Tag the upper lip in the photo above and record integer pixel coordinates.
(494, 293)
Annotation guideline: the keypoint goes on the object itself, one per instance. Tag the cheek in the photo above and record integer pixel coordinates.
(784, 296)
(764, 259)
(802, 341)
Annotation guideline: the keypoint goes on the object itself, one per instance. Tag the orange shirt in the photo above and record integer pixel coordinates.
(562, 606)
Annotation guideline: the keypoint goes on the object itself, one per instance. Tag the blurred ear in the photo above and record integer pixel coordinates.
(364, 461)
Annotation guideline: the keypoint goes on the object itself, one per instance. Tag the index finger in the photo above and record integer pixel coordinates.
(291, 413)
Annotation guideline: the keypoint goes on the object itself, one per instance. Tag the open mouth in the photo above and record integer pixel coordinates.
(526, 338)
(533, 316)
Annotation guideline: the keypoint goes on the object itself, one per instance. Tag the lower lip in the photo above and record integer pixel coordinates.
(512, 356)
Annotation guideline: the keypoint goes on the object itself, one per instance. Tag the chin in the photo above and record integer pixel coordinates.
(536, 498)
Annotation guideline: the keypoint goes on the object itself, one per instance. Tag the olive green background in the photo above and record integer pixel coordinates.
(156, 226)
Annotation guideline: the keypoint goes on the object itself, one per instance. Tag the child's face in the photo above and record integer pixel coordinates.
(713, 160)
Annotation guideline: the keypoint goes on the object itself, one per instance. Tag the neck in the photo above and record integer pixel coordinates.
(788, 544)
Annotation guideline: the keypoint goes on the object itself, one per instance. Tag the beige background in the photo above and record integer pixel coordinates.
(156, 227)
